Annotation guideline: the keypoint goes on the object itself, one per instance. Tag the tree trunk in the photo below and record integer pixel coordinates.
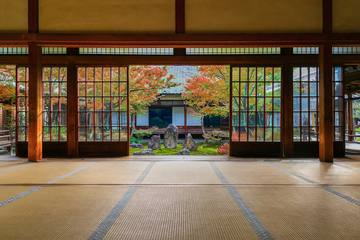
(132, 124)
(203, 128)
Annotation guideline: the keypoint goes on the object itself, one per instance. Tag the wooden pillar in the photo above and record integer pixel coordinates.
(35, 104)
(185, 120)
(33, 16)
(180, 24)
(1, 117)
(72, 107)
(287, 105)
(326, 131)
(350, 119)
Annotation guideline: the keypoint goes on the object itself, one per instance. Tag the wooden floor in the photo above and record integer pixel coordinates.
(180, 198)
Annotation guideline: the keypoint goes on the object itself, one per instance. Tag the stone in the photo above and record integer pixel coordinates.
(136, 145)
(145, 152)
(171, 137)
(189, 142)
(154, 142)
(184, 151)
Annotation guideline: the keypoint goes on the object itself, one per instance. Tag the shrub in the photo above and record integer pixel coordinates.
(139, 134)
(224, 149)
(215, 136)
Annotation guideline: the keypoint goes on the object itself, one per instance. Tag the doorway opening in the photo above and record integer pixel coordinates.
(352, 107)
(179, 110)
(8, 113)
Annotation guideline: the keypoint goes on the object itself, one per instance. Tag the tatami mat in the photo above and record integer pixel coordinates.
(351, 191)
(61, 212)
(12, 167)
(255, 173)
(181, 173)
(180, 200)
(349, 164)
(112, 172)
(303, 212)
(39, 173)
(181, 213)
(324, 173)
(7, 192)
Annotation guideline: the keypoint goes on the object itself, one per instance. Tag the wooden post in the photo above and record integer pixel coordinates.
(179, 24)
(185, 120)
(350, 119)
(1, 117)
(35, 104)
(326, 131)
(287, 105)
(180, 16)
(33, 16)
(72, 108)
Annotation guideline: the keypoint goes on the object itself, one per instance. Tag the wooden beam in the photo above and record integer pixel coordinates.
(181, 40)
(72, 107)
(310, 60)
(35, 104)
(346, 59)
(326, 131)
(287, 104)
(14, 59)
(327, 16)
(33, 16)
(180, 24)
(306, 60)
(180, 16)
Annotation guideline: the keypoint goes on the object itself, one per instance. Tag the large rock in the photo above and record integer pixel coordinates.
(171, 137)
(145, 152)
(184, 151)
(136, 145)
(189, 142)
(154, 142)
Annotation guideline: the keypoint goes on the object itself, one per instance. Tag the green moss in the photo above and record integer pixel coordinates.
(203, 149)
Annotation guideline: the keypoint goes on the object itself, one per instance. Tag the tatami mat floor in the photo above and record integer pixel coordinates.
(179, 199)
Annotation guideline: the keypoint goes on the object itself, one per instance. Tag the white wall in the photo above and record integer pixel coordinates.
(192, 118)
(178, 116)
(142, 119)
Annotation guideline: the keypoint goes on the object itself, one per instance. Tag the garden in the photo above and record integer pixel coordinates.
(203, 90)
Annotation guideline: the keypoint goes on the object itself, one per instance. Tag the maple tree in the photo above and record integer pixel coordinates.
(7, 85)
(146, 86)
(208, 92)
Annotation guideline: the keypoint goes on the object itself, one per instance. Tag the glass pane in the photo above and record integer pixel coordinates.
(268, 134)
(235, 134)
(244, 89)
(106, 111)
(46, 134)
(277, 135)
(260, 134)
(236, 89)
(235, 119)
(296, 134)
(305, 104)
(260, 94)
(235, 74)
(54, 104)
(296, 106)
(251, 134)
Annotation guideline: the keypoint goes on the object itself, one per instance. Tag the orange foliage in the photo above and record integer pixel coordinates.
(224, 149)
(208, 93)
(7, 84)
(146, 85)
